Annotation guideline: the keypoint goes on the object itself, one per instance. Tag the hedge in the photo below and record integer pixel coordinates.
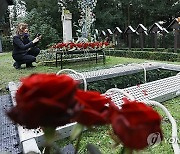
(129, 80)
(163, 56)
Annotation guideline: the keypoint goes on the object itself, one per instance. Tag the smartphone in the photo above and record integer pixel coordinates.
(38, 34)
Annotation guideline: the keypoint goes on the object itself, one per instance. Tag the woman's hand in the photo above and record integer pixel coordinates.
(36, 40)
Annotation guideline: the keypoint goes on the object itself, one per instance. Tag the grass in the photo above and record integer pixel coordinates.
(9, 73)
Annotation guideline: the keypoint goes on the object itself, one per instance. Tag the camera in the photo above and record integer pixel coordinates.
(38, 34)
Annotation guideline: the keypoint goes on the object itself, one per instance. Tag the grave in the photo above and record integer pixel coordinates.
(67, 25)
(159, 90)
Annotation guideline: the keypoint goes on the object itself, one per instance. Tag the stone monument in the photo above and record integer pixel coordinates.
(67, 25)
(87, 16)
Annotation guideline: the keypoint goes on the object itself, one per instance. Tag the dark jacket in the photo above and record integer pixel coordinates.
(21, 44)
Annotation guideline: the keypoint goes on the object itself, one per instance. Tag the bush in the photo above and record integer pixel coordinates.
(163, 56)
(38, 23)
(129, 80)
(7, 44)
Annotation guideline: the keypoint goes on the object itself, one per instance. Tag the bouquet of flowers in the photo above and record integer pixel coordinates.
(80, 46)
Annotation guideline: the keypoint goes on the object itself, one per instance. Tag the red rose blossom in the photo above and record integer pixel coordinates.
(94, 110)
(44, 100)
(134, 123)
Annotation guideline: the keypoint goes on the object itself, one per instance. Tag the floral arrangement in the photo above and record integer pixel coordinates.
(80, 46)
(50, 100)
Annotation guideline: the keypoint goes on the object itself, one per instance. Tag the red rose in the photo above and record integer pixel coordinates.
(79, 45)
(92, 45)
(94, 110)
(106, 43)
(44, 100)
(60, 45)
(85, 45)
(134, 123)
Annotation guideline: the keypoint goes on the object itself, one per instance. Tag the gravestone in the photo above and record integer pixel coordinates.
(116, 36)
(67, 25)
(154, 30)
(175, 25)
(129, 31)
(86, 8)
(141, 30)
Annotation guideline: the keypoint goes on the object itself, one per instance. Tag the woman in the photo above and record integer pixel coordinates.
(25, 51)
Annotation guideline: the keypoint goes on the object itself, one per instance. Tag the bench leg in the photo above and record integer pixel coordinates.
(56, 59)
(61, 61)
(104, 58)
(96, 57)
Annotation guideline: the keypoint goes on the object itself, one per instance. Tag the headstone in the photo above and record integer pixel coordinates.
(175, 25)
(129, 31)
(67, 25)
(155, 29)
(116, 35)
(141, 30)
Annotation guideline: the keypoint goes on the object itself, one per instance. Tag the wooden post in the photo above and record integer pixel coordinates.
(175, 25)
(129, 40)
(129, 31)
(176, 40)
(141, 41)
(155, 41)
(116, 35)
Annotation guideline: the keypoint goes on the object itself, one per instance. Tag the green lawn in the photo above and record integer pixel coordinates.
(9, 73)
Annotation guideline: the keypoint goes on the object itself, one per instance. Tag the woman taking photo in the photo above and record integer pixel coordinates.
(25, 51)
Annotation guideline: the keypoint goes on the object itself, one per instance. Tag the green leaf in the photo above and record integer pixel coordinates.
(78, 128)
(92, 149)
